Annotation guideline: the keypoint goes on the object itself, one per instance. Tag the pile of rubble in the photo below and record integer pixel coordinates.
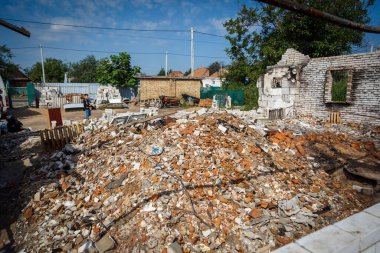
(108, 94)
(205, 181)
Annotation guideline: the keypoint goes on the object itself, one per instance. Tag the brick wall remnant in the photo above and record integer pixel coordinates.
(298, 85)
(153, 87)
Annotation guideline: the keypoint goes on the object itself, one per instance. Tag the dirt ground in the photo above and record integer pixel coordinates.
(38, 118)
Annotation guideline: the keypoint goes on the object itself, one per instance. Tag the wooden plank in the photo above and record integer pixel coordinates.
(56, 139)
(68, 139)
(61, 138)
(49, 139)
(70, 133)
(42, 140)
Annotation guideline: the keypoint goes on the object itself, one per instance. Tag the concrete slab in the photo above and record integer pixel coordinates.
(330, 240)
(363, 226)
(291, 248)
(374, 210)
(371, 249)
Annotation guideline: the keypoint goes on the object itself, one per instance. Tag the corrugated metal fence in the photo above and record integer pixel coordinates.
(85, 88)
(237, 96)
(66, 88)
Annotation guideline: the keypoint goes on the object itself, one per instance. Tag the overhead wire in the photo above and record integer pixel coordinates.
(95, 27)
(110, 28)
(116, 52)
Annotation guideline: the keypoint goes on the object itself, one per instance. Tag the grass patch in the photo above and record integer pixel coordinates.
(339, 85)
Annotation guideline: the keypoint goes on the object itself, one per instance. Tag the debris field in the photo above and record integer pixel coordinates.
(208, 181)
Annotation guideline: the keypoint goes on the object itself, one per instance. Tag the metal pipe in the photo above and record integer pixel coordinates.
(312, 12)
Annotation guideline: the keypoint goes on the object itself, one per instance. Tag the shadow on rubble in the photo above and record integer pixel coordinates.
(347, 164)
(19, 182)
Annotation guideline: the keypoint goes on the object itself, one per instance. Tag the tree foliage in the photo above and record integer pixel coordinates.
(54, 71)
(6, 65)
(84, 71)
(117, 70)
(162, 72)
(188, 72)
(258, 36)
(214, 67)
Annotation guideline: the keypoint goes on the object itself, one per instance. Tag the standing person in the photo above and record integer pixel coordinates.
(1, 104)
(87, 106)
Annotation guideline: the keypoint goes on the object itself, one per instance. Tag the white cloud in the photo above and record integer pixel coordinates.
(189, 8)
(217, 24)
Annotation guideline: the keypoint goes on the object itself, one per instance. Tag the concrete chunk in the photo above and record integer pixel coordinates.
(104, 244)
(174, 248)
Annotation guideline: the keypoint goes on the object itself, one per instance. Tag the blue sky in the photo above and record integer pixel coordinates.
(205, 16)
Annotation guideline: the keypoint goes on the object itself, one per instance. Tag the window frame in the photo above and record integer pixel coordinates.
(329, 82)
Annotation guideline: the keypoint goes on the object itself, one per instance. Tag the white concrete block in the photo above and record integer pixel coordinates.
(378, 247)
(364, 227)
(371, 249)
(291, 248)
(330, 240)
(374, 210)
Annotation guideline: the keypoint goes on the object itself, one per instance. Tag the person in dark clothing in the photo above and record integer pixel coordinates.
(87, 106)
(13, 124)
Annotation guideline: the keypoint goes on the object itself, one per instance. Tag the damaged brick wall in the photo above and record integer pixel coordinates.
(363, 103)
(278, 88)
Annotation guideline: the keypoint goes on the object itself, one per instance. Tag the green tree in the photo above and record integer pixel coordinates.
(54, 71)
(117, 71)
(84, 71)
(188, 72)
(258, 36)
(6, 65)
(162, 72)
(214, 67)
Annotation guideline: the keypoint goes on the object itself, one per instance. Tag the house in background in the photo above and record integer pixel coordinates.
(176, 73)
(201, 73)
(17, 78)
(212, 81)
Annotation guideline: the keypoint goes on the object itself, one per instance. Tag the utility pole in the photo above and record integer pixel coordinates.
(42, 65)
(166, 63)
(192, 51)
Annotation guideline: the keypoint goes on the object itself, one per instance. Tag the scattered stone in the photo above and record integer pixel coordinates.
(87, 247)
(28, 212)
(174, 248)
(105, 243)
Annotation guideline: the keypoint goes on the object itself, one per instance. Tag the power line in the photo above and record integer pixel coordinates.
(116, 52)
(96, 27)
(129, 35)
(210, 34)
(141, 36)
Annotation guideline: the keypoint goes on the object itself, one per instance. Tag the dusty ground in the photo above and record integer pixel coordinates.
(38, 118)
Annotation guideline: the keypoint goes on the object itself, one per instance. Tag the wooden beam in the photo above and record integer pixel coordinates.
(312, 12)
(20, 30)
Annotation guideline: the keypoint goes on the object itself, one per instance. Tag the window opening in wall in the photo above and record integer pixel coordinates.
(276, 82)
(339, 85)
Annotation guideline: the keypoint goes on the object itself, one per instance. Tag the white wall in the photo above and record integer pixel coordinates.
(211, 82)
